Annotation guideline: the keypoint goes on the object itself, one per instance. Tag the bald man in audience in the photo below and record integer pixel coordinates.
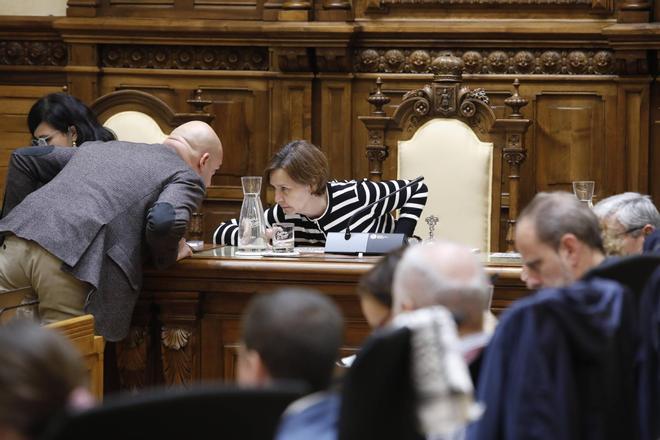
(295, 334)
(627, 220)
(558, 239)
(450, 275)
(76, 221)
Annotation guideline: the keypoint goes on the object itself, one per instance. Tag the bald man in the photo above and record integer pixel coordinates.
(77, 223)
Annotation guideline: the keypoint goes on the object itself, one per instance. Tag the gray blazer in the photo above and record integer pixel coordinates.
(99, 208)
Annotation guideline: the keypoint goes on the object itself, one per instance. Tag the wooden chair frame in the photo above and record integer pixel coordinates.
(448, 97)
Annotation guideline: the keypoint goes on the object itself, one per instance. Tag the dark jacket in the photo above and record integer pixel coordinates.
(560, 366)
(101, 206)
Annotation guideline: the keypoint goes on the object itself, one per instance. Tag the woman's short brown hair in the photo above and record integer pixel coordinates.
(304, 162)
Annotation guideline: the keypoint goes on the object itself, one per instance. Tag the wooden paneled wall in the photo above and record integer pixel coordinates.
(278, 70)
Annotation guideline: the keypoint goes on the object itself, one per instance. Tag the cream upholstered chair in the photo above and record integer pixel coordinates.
(449, 134)
(458, 170)
(137, 116)
(135, 126)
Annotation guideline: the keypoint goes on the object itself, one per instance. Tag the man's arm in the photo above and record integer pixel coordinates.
(29, 169)
(169, 216)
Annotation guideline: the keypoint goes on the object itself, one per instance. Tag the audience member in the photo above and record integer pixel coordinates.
(41, 375)
(450, 275)
(61, 119)
(295, 335)
(102, 205)
(299, 174)
(626, 220)
(559, 240)
(375, 290)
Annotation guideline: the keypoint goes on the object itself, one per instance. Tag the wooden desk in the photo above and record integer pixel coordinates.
(186, 326)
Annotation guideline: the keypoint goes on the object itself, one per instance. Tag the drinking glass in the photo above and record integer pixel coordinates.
(584, 191)
(283, 237)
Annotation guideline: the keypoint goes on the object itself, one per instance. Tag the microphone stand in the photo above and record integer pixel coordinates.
(347, 234)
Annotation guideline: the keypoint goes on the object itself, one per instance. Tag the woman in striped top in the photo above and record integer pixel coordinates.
(304, 196)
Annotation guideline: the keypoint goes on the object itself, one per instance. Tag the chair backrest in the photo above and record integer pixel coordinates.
(458, 172)
(137, 116)
(80, 331)
(378, 398)
(202, 412)
(449, 133)
(134, 126)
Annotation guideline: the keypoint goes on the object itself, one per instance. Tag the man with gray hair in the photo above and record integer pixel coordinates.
(558, 239)
(450, 275)
(626, 220)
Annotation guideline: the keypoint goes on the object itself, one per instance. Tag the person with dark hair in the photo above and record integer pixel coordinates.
(61, 119)
(304, 196)
(294, 335)
(559, 240)
(41, 375)
(108, 206)
(375, 290)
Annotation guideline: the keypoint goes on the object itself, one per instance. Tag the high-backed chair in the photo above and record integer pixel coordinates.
(80, 331)
(378, 399)
(202, 412)
(449, 134)
(137, 116)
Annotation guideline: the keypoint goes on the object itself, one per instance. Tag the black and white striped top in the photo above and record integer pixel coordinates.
(344, 199)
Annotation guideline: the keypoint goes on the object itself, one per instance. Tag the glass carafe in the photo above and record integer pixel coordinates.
(251, 224)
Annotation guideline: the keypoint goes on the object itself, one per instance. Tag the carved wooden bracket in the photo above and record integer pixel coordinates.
(179, 340)
(293, 59)
(133, 358)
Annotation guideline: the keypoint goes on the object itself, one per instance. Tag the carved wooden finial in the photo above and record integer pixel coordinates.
(378, 98)
(515, 101)
(447, 67)
(197, 102)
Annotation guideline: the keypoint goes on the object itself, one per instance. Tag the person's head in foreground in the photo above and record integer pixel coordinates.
(41, 374)
(447, 274)
(375, 289)
(299, 173)
(558, 239)
(626, 220)
(197, 144)
(61, 119)
(292, 334)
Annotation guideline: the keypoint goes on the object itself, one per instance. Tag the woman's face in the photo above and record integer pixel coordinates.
(376, 313)
(293, 197)
(45, 134)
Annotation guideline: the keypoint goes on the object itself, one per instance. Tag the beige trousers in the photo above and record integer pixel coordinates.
(24, 263)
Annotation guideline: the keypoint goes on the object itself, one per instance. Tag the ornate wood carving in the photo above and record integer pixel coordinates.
(332, 59)
(498, 61)
(184, 57)
(177, 355)
(293, 59)
(132, 358)
(597, 5)
(33, 53)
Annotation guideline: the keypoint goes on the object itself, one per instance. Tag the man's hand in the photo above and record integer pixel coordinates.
(184, 250)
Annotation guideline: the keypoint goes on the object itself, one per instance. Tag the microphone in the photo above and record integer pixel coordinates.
(347, 234)
(366, 243)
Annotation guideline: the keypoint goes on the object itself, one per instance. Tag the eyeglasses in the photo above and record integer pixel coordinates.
(42, 141)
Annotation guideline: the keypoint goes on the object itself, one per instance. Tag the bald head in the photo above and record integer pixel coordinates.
(199, 146)
(440, 273)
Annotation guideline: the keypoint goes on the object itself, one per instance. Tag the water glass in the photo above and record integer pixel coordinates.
(584, 191)
(283, 237)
